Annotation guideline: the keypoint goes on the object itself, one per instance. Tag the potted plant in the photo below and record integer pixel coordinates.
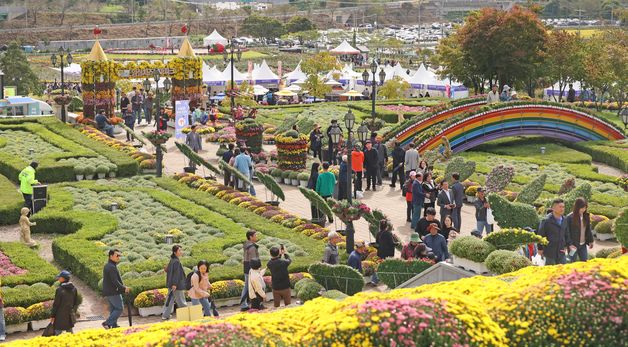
(262, 157)
(157, 137)
(39, 314)
(15, 320)
(89, 172)
(470, 193)
(286, 176)
(294, 178)
(148, 166)
(102, 170)
(604, 230)
(277, 175)
(79, 171)
(303, 179)
(150, 302)
(112, 170)
(469, 253)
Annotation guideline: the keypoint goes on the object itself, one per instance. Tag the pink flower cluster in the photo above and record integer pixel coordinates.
(416, 322)
(7, 268)
(212, 335)
(406, 109)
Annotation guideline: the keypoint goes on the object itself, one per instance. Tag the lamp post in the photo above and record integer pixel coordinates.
(227, 55)
(1, 84)
(62, 62)
(365, 79)
(349, 122)
(624, 116)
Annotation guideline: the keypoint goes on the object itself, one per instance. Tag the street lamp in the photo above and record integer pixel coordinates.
(365, 78)
(225, 55)
(1, 84)
(68, 60)
(624, 116)
(363, 133)
(349, 122)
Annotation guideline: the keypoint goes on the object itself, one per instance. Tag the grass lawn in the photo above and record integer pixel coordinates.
(530, 147)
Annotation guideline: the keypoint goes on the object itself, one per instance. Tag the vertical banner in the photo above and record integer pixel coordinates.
(182, 110)
(279, 70)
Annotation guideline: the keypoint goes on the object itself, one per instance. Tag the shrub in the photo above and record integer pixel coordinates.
(301, 283)
(24, 296)
(286, 173)
(595, 219)
(583, 191)
(79, 170)
(504, 261)
(339, 277)
(531, 191)
(276, 172)
(39, 311)
(499, 178)
(102, 169)
(89, 170)
(335, 295)
(471, 191)
(394, 272)
(620, 227)
(512, 214)
(604, 253)
(512, 239)
(10, 202)
(303, 176)
(294, 175)
(605, 227)
(461, 166)
(471, 248)
(37, 269)
(309, 291)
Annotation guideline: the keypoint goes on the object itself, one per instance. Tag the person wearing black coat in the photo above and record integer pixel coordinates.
(371, 160)
(385, 241)
(316, 144)
(579, 235)
(554, 228)
(64, 305)
(342, 178)
(175, 282)
(399, 156)
(112, 289)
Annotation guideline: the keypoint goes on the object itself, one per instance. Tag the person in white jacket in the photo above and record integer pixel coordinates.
(257, 287)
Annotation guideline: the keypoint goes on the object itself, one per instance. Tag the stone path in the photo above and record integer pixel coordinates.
(608, 170)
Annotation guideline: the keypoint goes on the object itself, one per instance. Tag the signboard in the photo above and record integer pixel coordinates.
(136, 73)
(10, 91)
(182, 110)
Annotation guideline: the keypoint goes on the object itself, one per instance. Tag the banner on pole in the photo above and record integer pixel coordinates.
(182, 110)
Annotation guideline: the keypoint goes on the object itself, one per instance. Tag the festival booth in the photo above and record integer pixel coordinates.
(553, 93)
(263, 75)
(99, 76)
(214, 38)
(345, 51)
(238, 77)
(295, 75)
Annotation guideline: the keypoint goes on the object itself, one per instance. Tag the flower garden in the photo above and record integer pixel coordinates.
(575, 304)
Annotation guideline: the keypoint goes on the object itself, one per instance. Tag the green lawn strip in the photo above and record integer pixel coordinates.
(11, 201)
(24, 296)
(611, 153)
(532, 149)
(37, 269)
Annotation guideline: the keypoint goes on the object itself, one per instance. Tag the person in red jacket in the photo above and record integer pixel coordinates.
(357, 165)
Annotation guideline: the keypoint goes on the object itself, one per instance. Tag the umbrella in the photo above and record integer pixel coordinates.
(259, 90)
(285, 92)
(294, 88)
(219, 96)
(351, 93)
(333, 82)
(301, 81)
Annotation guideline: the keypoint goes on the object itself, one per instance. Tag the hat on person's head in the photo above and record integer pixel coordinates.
(359, 244)
(506, 87)
(332, 234)
(317, 126)
(65, 274)
(480, 190)
(334, 121)
(412, 173)
(367, 141)
(415, 237)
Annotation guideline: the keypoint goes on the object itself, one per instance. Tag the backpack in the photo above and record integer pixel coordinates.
(188, 280)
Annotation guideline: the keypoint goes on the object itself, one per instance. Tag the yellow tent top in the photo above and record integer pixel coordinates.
(285, 92)
(351, 93)
(97, 54)
(186, 50)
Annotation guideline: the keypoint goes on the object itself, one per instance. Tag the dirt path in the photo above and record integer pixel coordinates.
(608, 170)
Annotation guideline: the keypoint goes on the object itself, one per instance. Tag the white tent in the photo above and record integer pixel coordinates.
(399, 71)
(214, 38)
(423, 77)
(212, 76)
(259, 90)
(553, 92)
(332, 82)
(237, 76)
(344, 48)
(262, 74)
(72, 70)
(296, 74)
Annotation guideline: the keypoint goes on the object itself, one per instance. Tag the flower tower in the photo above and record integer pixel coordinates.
(250, 132)
(98, 81)
(291, 150)
(187, 79)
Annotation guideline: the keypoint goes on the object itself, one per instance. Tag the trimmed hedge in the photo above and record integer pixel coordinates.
(582, 191)
(512, 214)
(10, 202)
(307, 289)
(512, 239)
(471, 248)
(73, 142)
(620, 227)
(602, 151)
(531, 191)
(503, 261)
(394, 272)
(339, 277)
(24, 295)
(465, 168)
(38, 270)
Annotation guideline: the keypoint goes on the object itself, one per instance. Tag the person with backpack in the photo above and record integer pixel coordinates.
(175, 282)
(280, 277)
(199, 288)
(65, 304)
(250, 254)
